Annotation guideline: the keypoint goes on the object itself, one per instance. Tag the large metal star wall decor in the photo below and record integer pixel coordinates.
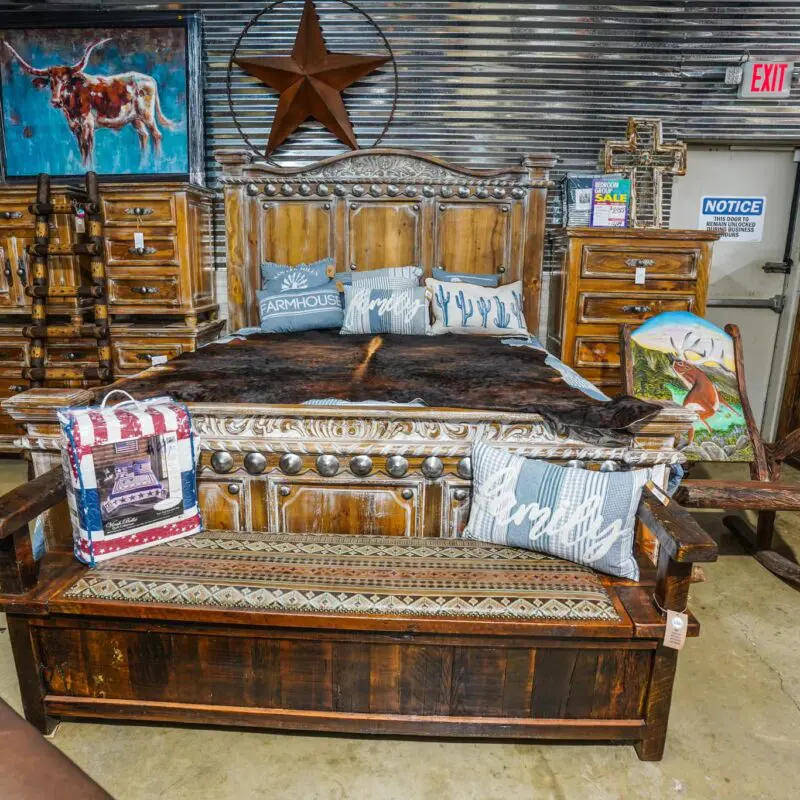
(310, 82)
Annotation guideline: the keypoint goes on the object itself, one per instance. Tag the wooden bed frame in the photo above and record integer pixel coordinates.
(381, 470)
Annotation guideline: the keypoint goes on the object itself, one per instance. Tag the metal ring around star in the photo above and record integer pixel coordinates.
(254, 20)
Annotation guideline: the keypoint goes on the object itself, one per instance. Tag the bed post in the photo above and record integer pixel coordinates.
(533, 242)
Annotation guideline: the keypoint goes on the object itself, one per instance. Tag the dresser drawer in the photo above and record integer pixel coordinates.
(15, 215)
(138, 211)
(64, 354)
(620, 263)
(136, 356)
(13, 355)
(596, 307)
(10, 386)
(147, 290)
(159, 248)
(591, 351)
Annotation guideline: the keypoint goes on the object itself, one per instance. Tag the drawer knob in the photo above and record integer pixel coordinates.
(11, 215)
(460, 495)
(139, 211)
(144, 289)
(71, 356)
(285, 491)
(407, 494)
(640, 262)
(141, 251)
(637, 309)
(17, 387)
(234, 488)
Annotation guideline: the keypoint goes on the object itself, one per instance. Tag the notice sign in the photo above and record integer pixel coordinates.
(735, 219)
(610, 198)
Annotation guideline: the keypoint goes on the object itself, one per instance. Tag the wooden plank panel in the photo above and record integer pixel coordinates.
(551, 683)
(478, 677)
(306, 679)
(384, 682)
(384, 235)
(425, 680)
(263, 678)
(351, 677)
(581, 690)
(474, 238)
(296, 233)
(518, 682)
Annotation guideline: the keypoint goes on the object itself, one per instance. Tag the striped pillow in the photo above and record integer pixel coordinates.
(388, 278)
(577, 514)
(370, 310)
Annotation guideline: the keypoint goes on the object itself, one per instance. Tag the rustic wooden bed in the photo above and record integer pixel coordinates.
(413, 630)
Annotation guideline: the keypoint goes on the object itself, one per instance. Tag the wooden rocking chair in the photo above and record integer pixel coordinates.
(677, 357)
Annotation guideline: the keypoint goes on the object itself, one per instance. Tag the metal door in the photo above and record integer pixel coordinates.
(748, 281)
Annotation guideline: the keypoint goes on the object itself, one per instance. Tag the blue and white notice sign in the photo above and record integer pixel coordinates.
(735, 219)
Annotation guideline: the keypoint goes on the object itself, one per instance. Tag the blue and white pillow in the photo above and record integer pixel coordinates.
(277, 278)
(370, 310)
(301, 310)
(464, 308)
(388, 277)
(465, 277)
(580, 515)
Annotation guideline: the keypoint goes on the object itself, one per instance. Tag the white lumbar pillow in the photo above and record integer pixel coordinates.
(466, 308)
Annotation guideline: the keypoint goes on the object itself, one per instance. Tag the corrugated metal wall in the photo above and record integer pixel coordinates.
(485, 82)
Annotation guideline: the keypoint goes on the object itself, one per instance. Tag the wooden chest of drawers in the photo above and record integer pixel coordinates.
(610, 276)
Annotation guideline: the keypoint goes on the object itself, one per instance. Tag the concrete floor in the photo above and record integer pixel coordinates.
(734, 732)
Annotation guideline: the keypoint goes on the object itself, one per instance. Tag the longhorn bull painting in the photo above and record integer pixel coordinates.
(112, 100)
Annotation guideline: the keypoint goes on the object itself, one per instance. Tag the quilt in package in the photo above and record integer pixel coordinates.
(130, 474)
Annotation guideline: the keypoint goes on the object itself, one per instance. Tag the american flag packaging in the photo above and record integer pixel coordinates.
(130, 472)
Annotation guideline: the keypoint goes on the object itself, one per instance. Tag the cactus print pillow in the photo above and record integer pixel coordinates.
(466, 308)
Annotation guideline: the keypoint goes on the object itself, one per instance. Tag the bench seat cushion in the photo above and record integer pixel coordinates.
(350, 575)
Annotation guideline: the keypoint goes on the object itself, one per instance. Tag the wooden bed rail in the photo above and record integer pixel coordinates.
(21, 506)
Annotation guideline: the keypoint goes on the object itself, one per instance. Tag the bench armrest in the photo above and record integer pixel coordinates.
(677, 532)
(21, 506)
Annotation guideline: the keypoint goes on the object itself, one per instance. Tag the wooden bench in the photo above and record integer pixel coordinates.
(378, 635)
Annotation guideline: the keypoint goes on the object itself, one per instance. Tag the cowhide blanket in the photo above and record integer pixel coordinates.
(475, 372)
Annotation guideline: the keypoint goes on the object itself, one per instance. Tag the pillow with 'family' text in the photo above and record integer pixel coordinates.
(465, 277)
(466, 308)
(277, 278)
(370, 310)
(300, 310)
(580, 515)
(388, 277)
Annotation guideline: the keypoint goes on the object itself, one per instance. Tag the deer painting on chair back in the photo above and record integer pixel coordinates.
(680, 358)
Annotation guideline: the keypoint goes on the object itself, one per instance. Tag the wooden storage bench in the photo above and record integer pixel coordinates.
(379, 635)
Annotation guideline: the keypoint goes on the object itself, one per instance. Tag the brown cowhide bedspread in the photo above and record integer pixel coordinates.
(445, 371)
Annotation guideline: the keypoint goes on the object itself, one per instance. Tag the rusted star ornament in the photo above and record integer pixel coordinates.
(310, 82)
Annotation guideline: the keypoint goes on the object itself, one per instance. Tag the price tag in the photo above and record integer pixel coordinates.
(675, 632)
(156, 360)
(138, 239)
(641, 276)
(80, 221)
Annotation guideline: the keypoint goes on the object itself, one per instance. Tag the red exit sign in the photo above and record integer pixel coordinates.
(766, 79)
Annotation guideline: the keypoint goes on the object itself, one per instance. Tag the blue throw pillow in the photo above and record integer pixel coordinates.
(466, 277)
(301, 310)
(580, 515)
(388, 277)
(284, 278)
(368, 310)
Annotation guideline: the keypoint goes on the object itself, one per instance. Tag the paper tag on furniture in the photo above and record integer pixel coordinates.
(130, 472)
(675, 631)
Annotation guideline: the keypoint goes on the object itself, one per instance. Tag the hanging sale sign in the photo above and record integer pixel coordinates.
(735, 219)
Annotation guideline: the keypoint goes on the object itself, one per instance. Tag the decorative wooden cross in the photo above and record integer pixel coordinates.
(644, 158)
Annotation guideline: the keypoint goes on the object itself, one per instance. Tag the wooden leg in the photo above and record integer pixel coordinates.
(656, 711)
(764, 530)
(28, 673)
(742, 531)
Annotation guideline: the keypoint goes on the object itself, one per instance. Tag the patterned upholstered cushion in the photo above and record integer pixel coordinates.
(579, 514)
(371, 310)
(352, 575)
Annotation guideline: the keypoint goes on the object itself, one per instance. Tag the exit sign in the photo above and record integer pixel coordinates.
(766, 79)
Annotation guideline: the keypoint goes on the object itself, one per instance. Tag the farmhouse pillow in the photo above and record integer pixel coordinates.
(388, 278)
(369, 310)
(464, 308)
(465, 277)
(300, 310)
(577, 514)
(277, 278)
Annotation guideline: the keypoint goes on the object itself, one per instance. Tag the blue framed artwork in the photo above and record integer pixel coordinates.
(121, 99)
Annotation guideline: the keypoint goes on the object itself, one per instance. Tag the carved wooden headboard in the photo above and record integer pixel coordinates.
(383, 208)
